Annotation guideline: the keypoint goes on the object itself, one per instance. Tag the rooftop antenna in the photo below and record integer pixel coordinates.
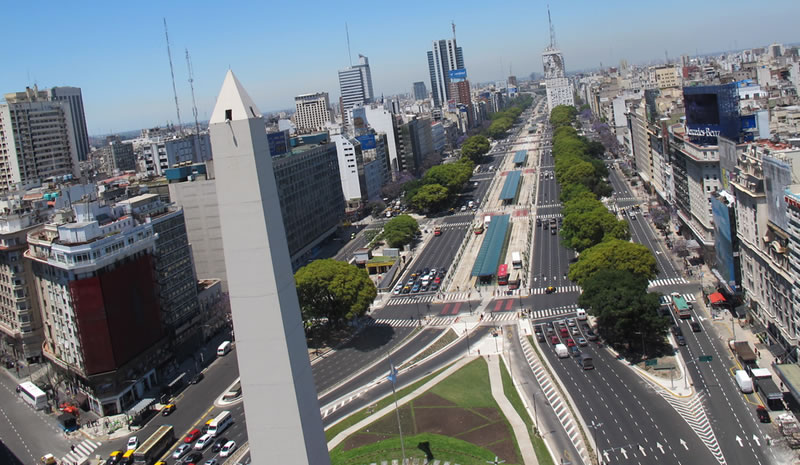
(666, 57)
(453, 24)
(347, 31)
(172, 73)
(552, 30)
(194, 105)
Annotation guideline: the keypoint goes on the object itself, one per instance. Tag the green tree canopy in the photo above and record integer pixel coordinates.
(333, 290)
(615, 254)
(430, 197)
(563, 115)
(475, 147)
(400, 230)
(587, 229)
(452, 176)
(625, 312)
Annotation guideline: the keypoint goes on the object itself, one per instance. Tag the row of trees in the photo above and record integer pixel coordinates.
(475, 147)
(439, 186)
(612, 271)
(503, 120)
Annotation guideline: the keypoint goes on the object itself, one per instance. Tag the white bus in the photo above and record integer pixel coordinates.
(31, 394)
(219, 424)
(516, 260)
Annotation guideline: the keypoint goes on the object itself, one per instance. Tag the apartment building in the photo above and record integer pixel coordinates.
(312, 112)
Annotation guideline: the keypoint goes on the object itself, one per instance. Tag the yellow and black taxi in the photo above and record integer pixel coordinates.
(168, 409)
(550, 289)
(114, 457)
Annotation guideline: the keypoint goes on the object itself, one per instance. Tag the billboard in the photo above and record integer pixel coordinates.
(727, 161)
(712, 111)
(724, 224)
(367, 141)
(458, 75)
(777, 175)
(117, 313)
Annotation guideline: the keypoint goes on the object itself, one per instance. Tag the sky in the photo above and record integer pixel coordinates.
(116, 51)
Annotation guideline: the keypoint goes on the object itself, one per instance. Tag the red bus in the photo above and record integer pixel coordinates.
(502, 275)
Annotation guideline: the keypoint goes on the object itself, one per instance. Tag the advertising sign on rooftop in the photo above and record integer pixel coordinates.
(458, 75)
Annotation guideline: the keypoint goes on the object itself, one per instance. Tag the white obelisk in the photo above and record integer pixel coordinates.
(283, 419)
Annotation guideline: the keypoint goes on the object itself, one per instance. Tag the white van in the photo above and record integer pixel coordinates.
(561, 351)
(581, 314)
(745, 382)
(224, 348)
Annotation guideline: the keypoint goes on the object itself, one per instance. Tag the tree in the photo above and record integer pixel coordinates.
(625, 312)
(475, 147)
(375, 207)
(400, 230)
(563, 115)
(453, 176)
(614, 254)
(333, 290)
(582, 230)
(430, 197)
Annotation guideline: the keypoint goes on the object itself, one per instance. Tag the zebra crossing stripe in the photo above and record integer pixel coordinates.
(693, 412)
(667, 282)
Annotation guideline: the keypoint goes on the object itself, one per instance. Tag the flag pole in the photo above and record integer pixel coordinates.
(393, 378)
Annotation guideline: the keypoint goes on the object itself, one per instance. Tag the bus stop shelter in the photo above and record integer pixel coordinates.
(520, 157)
(510, 187)
(491, 250)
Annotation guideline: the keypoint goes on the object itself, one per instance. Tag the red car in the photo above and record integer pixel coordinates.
(570, 342)
(192, 436)
(564, 332)
(437, 280)
(554, 339)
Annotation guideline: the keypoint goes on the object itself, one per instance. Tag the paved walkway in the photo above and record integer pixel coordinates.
(519, 426)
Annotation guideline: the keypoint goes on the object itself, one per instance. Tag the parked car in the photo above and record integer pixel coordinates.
(197, 378)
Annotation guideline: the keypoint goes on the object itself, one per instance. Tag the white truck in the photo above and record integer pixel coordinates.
(561, 351)
(744, 381)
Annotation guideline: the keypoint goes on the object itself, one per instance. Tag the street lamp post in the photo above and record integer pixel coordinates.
(419, 318)
(466, 332)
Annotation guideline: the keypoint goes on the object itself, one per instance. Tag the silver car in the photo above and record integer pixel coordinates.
(182, 450)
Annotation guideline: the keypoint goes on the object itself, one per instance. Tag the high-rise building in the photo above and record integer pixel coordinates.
(420, 92)
(312, 112)
(444, 57)
(69, 95)
(559, 89)
(20, 319)
(174, 269)
(355, 84)
(98, 294)
(117, 156)
(26, 118)
(75, 98)
(162, 152)
(280, 399)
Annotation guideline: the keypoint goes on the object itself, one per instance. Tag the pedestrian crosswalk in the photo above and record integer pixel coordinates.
(547, 203)
(561, 289)
(667, 282)
(665, 300)
(553, 312)
(455, 225)
(549, 215)
(626, 199)
(439, 320)
(80, 452)
(411, 300)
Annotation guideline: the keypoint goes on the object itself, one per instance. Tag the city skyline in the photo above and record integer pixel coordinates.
(125, 77)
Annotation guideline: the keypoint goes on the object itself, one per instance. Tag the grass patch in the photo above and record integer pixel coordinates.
(511, 393)
(440, 344)
(468, 387)
(450, 449)
(331, 432)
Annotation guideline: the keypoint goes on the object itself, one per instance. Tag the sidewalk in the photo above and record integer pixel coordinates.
(519, 427)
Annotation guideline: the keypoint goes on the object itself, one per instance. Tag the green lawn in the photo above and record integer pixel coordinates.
(542, 454)
(331, 432)
(468, 387)
(456, 451)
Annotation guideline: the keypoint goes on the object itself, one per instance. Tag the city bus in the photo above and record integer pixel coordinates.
(680, 306)
(513, 283)
(154, 446)
(32, 395)
(502, 275)
(516, 260)
(220, 423)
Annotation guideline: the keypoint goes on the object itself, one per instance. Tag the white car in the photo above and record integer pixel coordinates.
(228, 449)
(182, 450)
(204, 441)
(397, 289)
(133, 443)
